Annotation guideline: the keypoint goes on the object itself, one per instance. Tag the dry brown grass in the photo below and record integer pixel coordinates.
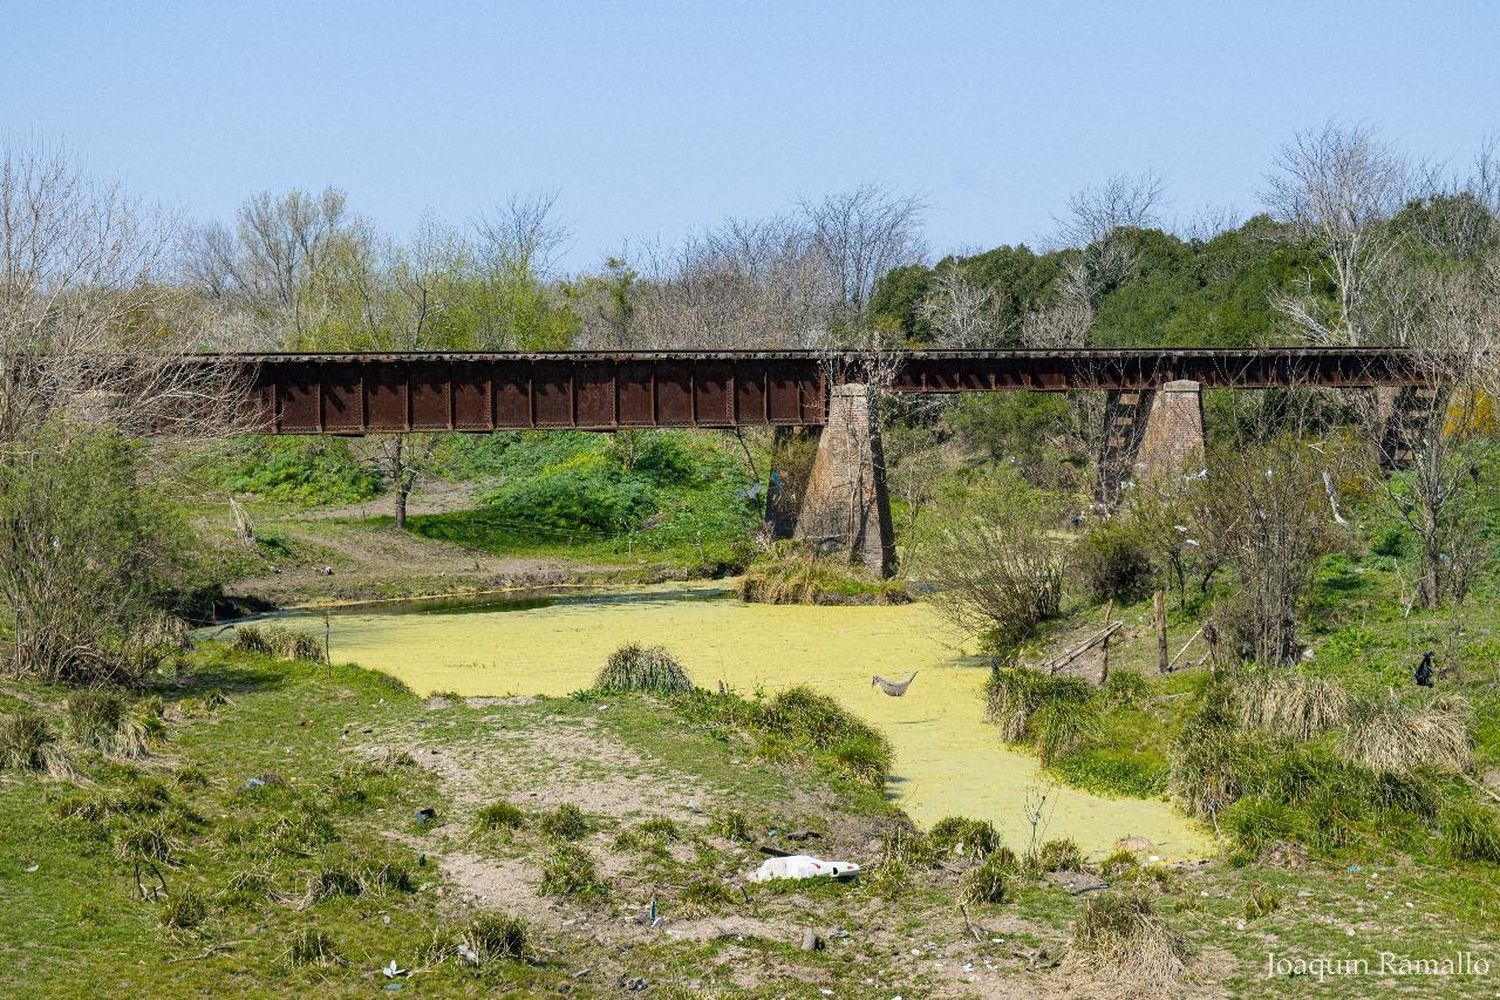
(1387, 734)
(1119, 937)
(1288, 704)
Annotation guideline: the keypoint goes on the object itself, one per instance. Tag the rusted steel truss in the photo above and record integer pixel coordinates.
(373, 393)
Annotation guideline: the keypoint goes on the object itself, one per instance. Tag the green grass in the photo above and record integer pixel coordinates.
(793, 573)
(297, 874)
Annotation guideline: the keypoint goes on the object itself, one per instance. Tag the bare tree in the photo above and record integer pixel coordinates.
(1335, 188)
(858, 235)
(1208, 222)
(523, 234)
(963, 313)
(1096, 225)
(90, 327)
(1263, 515)
(266, 268)
(386, 297)
(93, 348)
(1451, 321)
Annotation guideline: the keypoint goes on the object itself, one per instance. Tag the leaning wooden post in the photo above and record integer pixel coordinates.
(1159, 606)
(1104, 664)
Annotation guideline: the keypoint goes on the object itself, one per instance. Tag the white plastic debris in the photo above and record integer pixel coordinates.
(802, 866)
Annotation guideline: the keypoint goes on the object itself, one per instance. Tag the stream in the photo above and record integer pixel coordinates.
(948, 759)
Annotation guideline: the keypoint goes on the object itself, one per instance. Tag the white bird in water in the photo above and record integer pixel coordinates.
(893, 688)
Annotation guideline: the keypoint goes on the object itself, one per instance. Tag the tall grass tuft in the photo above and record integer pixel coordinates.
(642, 668)
(499, 815)
(566, 822)
(1386, 734)
(251, 639)
(990, 882)
(184, 911)
(27, 743)
(1288, 704)
(1058, 714)
(1120, 936)
(803, 716)
(1209, 756)
(963, 836)
(568, 872)
(794, 573)
(94, 715)
(1470, 832)
(101, 720)
(492, 937)
(310, 946)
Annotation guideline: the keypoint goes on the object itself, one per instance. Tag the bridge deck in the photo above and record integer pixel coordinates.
(371, 393)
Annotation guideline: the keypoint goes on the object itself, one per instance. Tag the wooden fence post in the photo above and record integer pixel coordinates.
(1159, 606)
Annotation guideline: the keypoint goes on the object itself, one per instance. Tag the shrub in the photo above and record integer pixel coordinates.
(306, 472)
(1470, 832)
(27, 743)
(996, 568)
(1288, 704)
(568, 872)
(587, 493)
(491, 937)
(90, 556)
(499, 815)
(1389, 735)
(636, 668)
(1119, 935)
(566, 822)
(1112, 564)
(1119, 863)
(1266, 513)
(1060, 855)
(961, 835)
(988, 882)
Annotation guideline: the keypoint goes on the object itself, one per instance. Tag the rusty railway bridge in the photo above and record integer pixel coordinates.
(828, 473)
(605, 391)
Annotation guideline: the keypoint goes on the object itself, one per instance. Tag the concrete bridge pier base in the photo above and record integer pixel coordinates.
(828, 485)
(1150, 434)
(1173, 440)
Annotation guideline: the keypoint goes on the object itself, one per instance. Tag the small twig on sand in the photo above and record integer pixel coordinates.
(207, 952)
(969, 924)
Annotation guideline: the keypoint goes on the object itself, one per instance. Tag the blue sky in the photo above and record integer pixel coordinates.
(653, 119)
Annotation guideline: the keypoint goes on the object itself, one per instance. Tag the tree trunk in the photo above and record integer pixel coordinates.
(401, 481)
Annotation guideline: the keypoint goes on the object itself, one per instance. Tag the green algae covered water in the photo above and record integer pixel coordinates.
(948, 759)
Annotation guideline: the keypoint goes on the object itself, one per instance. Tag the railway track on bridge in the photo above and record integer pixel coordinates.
(325, 393)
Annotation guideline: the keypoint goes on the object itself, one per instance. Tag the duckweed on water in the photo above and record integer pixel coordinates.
(942, 748)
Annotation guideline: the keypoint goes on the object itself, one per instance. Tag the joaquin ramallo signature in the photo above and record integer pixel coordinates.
(1381, 963)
